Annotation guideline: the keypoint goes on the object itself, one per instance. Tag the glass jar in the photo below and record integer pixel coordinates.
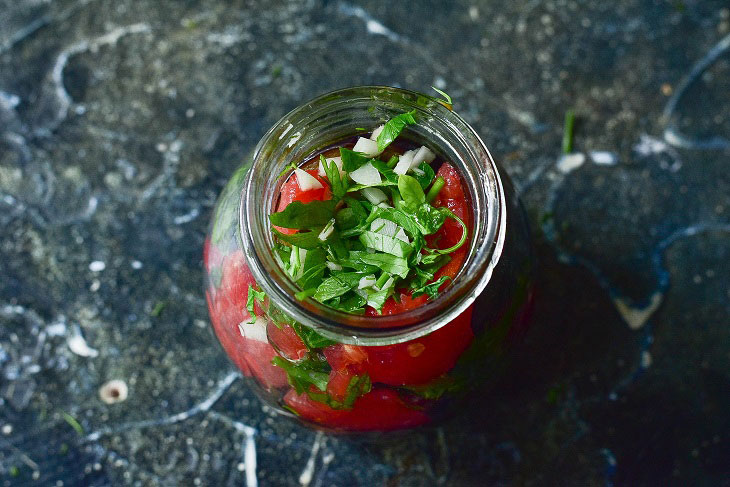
(414, 367)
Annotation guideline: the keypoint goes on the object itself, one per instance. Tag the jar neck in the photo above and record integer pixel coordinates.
(328, 120)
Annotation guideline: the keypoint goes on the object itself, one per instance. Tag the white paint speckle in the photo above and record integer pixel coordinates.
(645, 359)
(7, 429)
(77, 344)
(136, 264)
(97, 266)
(603, 158)
(570, 162)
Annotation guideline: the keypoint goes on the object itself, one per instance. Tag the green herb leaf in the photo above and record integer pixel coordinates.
(446, 96)
(304, 216)
(311, 338)
(431, 289)
(333, 176)
(384, 243)
(352, 160)
(313, 268)
(308, 372)
(253, 294)
(387, 263)
(331, 288)
(411, 192)
(393, 128)
(427, 177)
(438, 387)
(305, 240)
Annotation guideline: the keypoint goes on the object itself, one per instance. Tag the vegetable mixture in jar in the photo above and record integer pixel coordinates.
(369, 273)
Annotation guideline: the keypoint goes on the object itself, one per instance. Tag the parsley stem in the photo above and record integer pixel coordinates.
(302, 295)
(392, 162)
(464, 233)
(382, 280)
(568, 132)
(435, 188)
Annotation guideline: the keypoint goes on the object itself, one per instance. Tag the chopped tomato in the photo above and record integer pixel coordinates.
(423, 359)
(379, 409)
(291, 192)
(227, 307)
(286, 341)
(341, 356)
(338, 383)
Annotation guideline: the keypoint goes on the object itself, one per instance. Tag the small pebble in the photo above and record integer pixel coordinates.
(97, 266)
(113, 391)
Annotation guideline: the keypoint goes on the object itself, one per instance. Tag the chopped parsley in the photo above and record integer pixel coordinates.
(369, 239)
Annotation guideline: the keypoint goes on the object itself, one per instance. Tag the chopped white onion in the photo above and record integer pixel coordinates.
(306, 181)
(336, 160)
(366, 281)
(333, 266)
(366, 174)
(366, 146)
(404, 162)
(327, 230)
(374, 195)
(376, 132)
(254, 331)
(423, 154)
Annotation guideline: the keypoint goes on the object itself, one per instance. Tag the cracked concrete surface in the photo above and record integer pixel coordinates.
(120, 122)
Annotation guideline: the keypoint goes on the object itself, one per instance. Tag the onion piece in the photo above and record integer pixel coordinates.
(306, 181)
(255, 330)
(376, 132)
(336, 160)
(374, 195)
(404, 162)
(366, 174)
(366, 281)
(333, 266)
(423, 154)
(367, 147)
(327, 230)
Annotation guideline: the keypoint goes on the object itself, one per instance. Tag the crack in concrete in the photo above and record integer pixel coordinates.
(672, 134)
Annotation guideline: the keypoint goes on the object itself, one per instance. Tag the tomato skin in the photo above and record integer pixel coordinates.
(338, 383)
(379, 409)
(341, 356)
(286, 340)
(423, 359)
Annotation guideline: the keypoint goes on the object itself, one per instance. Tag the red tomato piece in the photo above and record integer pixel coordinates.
(379, 409)
(421, 360)
(291, 192)
(227, 307)
(341, 356)
(338, 383)
(286, 341)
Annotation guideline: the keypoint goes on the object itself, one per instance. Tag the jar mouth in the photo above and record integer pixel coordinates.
(328, 119)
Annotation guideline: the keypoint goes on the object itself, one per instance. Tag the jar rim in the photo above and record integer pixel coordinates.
(486, 242)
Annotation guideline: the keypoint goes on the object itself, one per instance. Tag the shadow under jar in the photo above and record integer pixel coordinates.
(345, 372)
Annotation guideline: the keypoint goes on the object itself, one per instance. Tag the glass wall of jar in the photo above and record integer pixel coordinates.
(345, 372)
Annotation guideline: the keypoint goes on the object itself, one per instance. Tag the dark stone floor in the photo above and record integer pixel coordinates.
(120, 121)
